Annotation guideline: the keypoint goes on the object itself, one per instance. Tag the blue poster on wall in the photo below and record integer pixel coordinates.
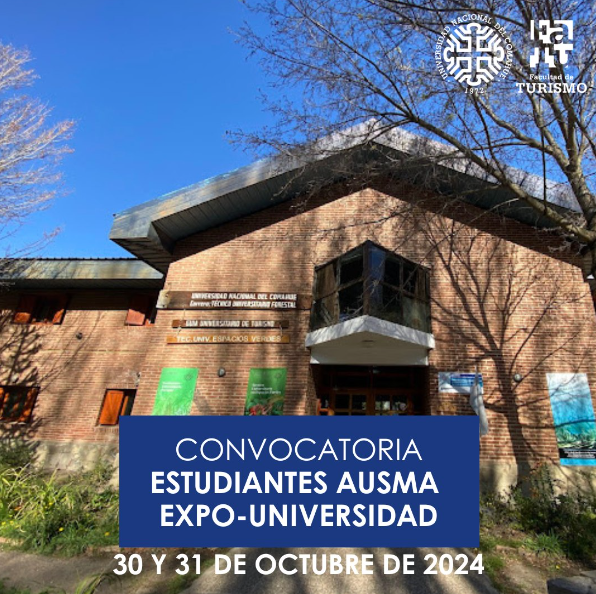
(573, 413)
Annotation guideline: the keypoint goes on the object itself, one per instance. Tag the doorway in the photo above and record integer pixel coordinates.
(368, 390)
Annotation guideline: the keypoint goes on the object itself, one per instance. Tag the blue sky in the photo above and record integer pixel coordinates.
(153, 87)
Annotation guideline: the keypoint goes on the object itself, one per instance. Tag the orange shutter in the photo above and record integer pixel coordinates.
(27, 409)
(14, 400)
(24, 311)
(112, 404)
(137, 313)
(60, 310)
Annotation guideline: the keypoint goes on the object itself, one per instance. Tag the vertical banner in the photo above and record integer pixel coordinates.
(573, 414)
(175, 391)
(266, 391)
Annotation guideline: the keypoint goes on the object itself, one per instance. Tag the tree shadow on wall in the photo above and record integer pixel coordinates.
(505, 298)
(26, 361)
(514, 314)
(19, 345)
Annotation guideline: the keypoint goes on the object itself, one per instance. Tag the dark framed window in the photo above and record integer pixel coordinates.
(116, 403)
(370, 280)
(17, 402)
(41, 309)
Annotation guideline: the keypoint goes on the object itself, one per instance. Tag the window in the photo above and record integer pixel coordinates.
(142, 310)
(40, 309)
(16, 403)
(369, 280)
(116, 403)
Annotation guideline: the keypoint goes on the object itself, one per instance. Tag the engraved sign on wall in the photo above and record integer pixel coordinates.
(234, 338)
(231, 300)
(232, 324)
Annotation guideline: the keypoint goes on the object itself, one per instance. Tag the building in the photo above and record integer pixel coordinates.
(351, 282)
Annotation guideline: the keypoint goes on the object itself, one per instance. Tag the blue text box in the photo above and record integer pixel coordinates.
(407, 492)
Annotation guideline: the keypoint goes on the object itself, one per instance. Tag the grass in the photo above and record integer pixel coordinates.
(180, 583)
(66, 516)
(548, 544)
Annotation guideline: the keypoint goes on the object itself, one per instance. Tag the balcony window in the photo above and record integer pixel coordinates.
(369, 280)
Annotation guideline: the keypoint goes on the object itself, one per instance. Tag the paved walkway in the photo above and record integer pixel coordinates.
(38, 573)
(378, 583)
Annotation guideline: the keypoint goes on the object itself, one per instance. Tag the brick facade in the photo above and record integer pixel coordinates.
(73, 374)
(505, 298)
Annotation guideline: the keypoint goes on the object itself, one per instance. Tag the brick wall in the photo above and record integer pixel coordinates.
(72, 374)
(505, 298)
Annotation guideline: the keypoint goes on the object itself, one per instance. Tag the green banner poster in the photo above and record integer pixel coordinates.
(175, 391)
(266, 391)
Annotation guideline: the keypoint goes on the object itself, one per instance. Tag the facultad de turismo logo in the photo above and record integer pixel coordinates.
(549, 59)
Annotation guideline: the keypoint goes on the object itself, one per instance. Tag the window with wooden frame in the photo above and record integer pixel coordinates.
(142, 310)
(116, 403)
(16, 403)
(41, 309)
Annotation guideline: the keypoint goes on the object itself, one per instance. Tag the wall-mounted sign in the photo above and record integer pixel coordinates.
(233, 338)
(266, 391)
(231, 300)
(175, 391)
(573, 414)
(454, 382)
(233, 324)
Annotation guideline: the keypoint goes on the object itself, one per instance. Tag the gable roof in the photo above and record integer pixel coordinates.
(151, 230)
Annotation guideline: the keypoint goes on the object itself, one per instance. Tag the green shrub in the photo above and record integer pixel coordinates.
(554, 522)
(545, 510)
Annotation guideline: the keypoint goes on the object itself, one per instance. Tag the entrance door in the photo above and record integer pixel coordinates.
(351, 390)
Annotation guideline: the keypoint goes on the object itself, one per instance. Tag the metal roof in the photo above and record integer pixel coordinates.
(89, 273)
(150, 230)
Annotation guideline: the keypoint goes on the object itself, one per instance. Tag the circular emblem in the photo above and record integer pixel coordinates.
(475, 52)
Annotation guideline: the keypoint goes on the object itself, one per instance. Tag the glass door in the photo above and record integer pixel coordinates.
(391, 404)
(353, 390)
(349, 403)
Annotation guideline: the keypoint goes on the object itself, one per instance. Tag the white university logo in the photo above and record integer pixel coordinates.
(474, 52)
(552, 35)
(554, 45)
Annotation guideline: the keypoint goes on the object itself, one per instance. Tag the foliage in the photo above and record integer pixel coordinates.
(492, 565)
(15, 454)
(90, 585)
(338, 64)
(48, 515)
(554, 522)
(180, 583)
(30, 147)
(544, 543)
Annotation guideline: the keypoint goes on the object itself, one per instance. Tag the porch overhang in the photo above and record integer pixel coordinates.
(367, 340)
